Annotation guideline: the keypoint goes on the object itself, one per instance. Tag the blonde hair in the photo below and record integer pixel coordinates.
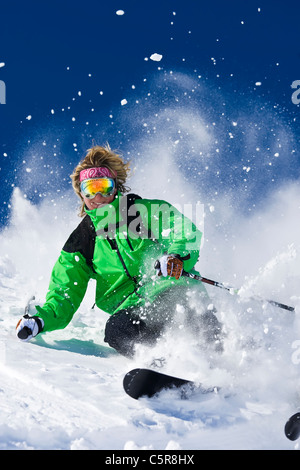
(101, 157)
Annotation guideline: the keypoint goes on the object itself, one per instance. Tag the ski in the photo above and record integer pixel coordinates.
(141, 382)
(292, 427)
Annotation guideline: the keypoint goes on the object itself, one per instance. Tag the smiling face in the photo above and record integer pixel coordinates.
(98, 201)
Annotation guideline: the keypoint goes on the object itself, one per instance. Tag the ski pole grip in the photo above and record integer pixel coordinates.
(184, 273)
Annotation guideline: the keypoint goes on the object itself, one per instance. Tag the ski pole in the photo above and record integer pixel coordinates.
(230, 289)
(235, 291)
(27, 306)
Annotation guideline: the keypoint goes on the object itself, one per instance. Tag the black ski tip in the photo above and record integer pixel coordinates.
(142, 382)
(292, 427)
(130, 386)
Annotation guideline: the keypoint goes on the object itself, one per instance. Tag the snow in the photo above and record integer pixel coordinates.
(156, 57)
(63, 390)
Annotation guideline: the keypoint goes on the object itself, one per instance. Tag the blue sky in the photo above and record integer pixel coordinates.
(68, 64)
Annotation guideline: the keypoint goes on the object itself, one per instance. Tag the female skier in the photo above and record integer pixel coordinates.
(136, 249)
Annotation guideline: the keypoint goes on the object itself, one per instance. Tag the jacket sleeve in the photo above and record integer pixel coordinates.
(174, 231)
(185, 238)
(67, 287)
(69, 278)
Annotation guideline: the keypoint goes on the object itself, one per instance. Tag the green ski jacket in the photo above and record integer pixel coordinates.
(117, 245)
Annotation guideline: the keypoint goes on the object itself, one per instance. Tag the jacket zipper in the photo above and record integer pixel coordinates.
(129, 243)
(115, 247)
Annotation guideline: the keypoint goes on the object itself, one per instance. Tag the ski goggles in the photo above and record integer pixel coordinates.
(90, 187)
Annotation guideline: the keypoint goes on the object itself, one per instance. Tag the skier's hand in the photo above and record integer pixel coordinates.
(169, 265)
(28, 327)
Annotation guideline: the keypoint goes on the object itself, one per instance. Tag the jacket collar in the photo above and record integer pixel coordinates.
(108, 212)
